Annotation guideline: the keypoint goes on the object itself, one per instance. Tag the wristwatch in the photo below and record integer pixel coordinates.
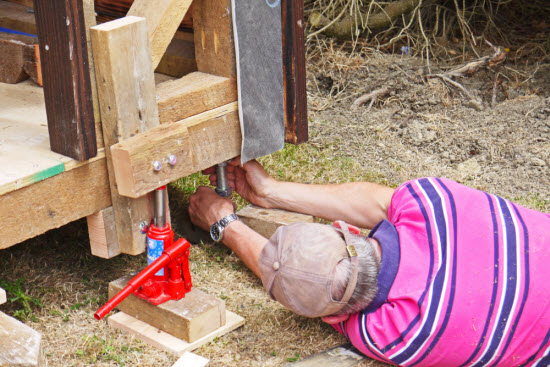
(216, 231)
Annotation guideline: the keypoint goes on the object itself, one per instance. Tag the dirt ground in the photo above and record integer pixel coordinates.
(423, 127)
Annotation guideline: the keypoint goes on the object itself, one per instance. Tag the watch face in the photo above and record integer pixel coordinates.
(215, 232)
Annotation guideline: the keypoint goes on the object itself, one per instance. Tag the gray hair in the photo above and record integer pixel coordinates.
(366, 287)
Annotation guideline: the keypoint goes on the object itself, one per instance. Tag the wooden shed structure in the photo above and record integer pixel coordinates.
(85, 143)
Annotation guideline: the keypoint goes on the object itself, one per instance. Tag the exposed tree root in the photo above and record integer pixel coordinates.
(372, 97)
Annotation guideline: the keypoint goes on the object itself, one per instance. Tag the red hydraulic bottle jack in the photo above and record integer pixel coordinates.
(167, 275)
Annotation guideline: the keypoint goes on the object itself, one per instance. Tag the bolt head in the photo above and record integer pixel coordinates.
(157, 165)
(172, 159)
(143, 227)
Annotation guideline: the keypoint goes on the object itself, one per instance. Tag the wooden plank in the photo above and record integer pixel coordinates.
(28, 3)
(189, 359)
(163, 18)
(15, 54)
(67, 88)
(165, 341)
(179, 58)
(102, 233)
(197, 143)
(30, 211)
(294, 66)
(266, 221)
(126, 88)
(16, 17)
(34, 68)
(190, 318)
(344, 355)
(214, 43)
(193, 94)
(20, 345)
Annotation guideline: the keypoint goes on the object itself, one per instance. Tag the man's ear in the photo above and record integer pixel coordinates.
(334, 319)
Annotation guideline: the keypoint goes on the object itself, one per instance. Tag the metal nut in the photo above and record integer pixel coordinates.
(172, 159)
(157, 165)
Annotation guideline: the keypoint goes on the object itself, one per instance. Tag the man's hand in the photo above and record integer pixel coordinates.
(250, 181)
(206, 207)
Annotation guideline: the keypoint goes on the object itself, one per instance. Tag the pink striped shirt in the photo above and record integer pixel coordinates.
(464, 281)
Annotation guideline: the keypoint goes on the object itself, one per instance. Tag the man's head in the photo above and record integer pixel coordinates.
(318, 270)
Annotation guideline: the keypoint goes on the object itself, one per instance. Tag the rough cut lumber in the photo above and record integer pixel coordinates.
(102, 233)
(160, 339)
(163, 18)
(193, 94)
(33, 67)
(266, 221)
(344, 355)
(16, 17)
(192, 317)
(179, 58)
(67, 88)
(30, 211)
(294, 66)
(198, 142)
(126, 88)
(2, 296)
(20, 345)
(214, 44)
(15, 54)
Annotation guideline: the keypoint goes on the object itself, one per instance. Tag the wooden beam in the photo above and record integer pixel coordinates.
(28, 3)
(67, 88)
(214, 43)
(193, 94)
(179, 58)
(16, 17)
(102, 233)
(197, 143)
(31, 210)
(266, 221)
(15, 54)
(294, 67)
(126, 88)
(163, 18)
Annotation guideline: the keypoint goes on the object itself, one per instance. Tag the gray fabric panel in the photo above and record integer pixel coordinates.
(258, 42)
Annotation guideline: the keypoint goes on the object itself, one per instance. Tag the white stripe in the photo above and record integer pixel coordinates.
(506, 278)
(366, 335)
(441, 302)
(537, 362)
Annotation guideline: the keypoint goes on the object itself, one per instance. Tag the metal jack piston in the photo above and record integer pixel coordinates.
(167, 275)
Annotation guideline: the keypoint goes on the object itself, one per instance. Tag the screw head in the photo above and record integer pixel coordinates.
(172, 159)
(143, 227)
(157, 165)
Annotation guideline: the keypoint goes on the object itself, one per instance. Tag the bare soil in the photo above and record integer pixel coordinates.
(423, 127)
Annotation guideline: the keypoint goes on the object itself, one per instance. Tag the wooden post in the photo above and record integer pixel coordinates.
(294, 66)
(67, 89)
(126, 88)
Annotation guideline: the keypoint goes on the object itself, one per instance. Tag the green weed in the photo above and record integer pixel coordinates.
(18, 297)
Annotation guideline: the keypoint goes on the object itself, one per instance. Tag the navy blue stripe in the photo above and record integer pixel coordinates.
(453, 278)
(495, 284)
(526, 284)
(511, 284)
(542, 346)
(437, 289)
(7, 30)
(416, 319)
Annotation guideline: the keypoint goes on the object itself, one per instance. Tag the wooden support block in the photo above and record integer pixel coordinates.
(126, 89)
(67, 88)
(20, 345)
(79, 191)
(102, 232)
(179, 58)
(34, 68)
(2, 296)
(344, 355)
(189, 359)
(197, 142)
(191, 318)
(193, 94)
(16, 17)
(169, 343)
(214, 43)
(163, 18)
(294, 67)
(266, 221)
(15, 54)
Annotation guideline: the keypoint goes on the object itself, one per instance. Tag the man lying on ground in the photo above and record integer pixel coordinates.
(448, 276)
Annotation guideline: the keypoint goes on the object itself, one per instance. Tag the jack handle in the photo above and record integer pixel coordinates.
(176, 250)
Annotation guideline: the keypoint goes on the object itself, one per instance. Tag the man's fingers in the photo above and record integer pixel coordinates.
(209, 170)
(235, 161)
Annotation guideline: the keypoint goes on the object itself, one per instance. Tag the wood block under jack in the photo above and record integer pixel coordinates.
(266, 221)
(190, 318)
(20, 345)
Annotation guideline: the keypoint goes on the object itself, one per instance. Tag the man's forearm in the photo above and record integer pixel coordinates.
(246, 243)
(359, 203)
